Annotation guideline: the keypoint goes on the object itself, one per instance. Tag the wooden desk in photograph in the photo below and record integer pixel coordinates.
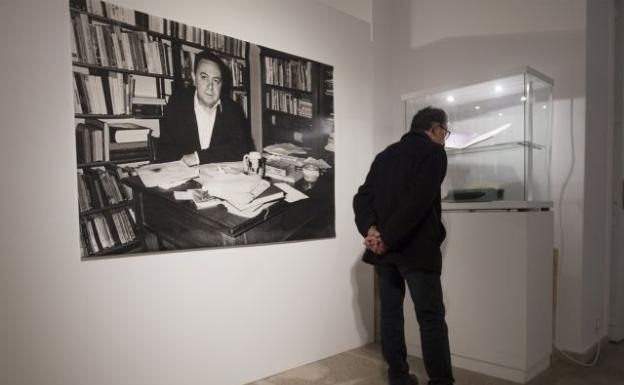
(179, 225)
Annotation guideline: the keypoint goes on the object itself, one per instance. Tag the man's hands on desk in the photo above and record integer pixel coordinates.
(373, 241)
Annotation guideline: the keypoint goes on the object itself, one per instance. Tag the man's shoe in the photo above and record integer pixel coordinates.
(412, 380)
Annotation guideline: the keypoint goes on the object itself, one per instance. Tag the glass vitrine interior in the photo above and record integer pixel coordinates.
(499, 146)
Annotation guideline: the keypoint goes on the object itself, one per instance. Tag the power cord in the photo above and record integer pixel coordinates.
(580, 363)
(563, 188)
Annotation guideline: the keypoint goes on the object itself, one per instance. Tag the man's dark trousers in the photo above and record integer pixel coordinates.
(426, 292)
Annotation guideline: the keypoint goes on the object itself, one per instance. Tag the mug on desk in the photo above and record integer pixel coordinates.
(253, 163)
(311, 173)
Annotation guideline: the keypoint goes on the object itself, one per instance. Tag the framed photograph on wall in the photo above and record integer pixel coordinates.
(186, 138)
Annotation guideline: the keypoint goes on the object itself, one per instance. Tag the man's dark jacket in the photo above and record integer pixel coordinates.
(401, 196)
(231, 135)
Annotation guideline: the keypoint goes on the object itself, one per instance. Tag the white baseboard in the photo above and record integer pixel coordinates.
(520, 376)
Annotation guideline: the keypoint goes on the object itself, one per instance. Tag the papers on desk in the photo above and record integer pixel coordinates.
(167, 175)
(221, 184)
(292, 194)
(236, 188)
(222, 167)
(320, 163)
(285, 149)
(251, 212)
(201, 199)
(242, 195)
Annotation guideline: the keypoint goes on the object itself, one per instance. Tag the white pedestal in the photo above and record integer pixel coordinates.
(497, 283)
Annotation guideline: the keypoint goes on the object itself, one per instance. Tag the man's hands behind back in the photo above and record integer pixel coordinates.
(373, 241)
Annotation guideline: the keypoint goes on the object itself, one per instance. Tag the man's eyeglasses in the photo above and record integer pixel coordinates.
(447, 133)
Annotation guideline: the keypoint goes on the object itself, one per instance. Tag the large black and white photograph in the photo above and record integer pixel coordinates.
(186, 138)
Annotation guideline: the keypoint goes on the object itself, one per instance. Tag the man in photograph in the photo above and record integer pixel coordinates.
(398, 212)
(202, 124)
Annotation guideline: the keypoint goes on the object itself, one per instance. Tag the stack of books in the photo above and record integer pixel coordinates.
(148, 106)
(128, 142)
(282, 169)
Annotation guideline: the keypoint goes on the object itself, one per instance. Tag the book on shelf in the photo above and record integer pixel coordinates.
(286, 102)
(102, 231)
(148, 106)
(84, 250)
(241, 98)
(288, 73)
(91, 143)
(100, 8)
(91, 6)
(128, 141)
(100, 234)
(163, 26)
(111, 194)
(328, 87)
(91, 239)
(129, 151)
(121, 173)
(149, 100)
(151, 22)
(84, 196)
(123, 226)
(102, 94)
(98, 188)
(102, 44)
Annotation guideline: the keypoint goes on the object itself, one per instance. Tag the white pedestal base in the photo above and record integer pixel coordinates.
(497, 282)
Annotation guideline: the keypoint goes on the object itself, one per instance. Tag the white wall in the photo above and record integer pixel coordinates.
(485, 51)
(362, 9)
(225, 316)
(434, 20)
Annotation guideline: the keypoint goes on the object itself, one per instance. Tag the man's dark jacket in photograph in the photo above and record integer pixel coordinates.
(231, 135)
(401, 197)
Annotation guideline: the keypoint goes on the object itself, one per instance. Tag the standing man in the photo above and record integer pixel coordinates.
(398, 212)
(202, 124)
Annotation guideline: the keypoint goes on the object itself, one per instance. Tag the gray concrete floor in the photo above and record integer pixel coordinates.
(365, 366)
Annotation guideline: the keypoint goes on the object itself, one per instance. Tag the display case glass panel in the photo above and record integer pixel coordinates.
(499, 147)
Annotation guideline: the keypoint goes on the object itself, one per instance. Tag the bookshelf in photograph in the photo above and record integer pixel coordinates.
(294, 100)
(111, 45)
(107, 222)
(326, 108)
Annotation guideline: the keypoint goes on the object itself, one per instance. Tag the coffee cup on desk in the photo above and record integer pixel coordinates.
(311, 173)
(253, 163)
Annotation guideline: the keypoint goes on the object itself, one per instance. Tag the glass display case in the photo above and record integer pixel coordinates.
(499, 146)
